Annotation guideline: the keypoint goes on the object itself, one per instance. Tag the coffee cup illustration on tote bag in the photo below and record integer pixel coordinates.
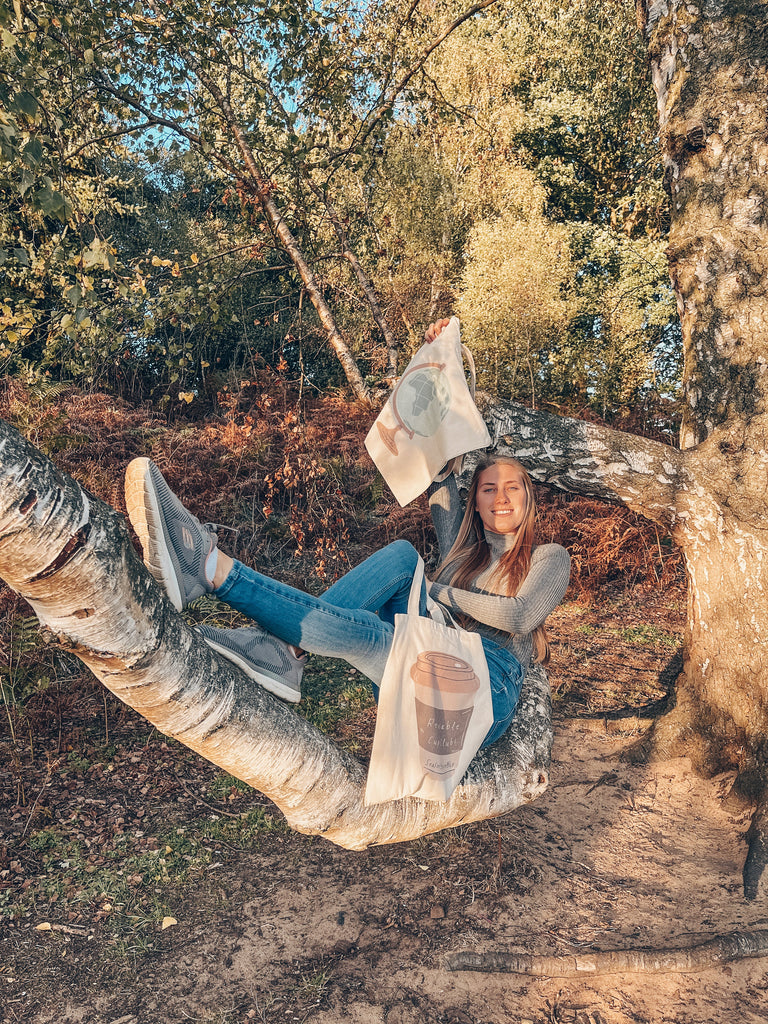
(445, 688)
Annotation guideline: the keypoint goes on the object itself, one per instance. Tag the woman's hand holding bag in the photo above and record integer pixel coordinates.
(429, 418)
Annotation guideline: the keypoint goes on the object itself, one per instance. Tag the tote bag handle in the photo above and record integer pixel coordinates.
(454, 466)
(471, 364)
(434, 611)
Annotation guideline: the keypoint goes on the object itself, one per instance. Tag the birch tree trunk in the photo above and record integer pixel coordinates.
(71, 558)
(282, 232)
(710, 72)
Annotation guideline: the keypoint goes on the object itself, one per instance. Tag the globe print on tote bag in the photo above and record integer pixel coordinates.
(420, 403)
(429, 419)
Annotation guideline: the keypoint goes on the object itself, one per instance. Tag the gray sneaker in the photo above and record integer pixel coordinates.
(261, 656)
(175, 543)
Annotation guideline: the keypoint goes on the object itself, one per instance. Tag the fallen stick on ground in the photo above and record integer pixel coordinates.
(722, 949)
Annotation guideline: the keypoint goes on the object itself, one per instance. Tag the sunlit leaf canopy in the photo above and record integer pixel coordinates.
(308, 79)
(295, 72)
(135, 250)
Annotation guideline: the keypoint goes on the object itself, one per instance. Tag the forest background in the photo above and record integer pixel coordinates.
(509, 174)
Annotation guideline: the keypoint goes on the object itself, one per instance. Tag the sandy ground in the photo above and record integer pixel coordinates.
(613, 856)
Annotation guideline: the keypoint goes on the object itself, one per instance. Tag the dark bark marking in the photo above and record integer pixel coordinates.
(696, 138)
(757, 854)
(70, 549)
(83, 613)
(682, 144)
(28, 503)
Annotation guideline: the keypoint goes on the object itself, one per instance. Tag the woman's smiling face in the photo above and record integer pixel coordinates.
(501, 500)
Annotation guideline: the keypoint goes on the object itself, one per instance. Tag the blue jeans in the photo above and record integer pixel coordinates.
(354, 620)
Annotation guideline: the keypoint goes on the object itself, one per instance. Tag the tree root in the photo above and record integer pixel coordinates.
(757, 854)
(722, 949)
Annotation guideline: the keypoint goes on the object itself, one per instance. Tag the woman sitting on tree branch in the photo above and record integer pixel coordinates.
(491, 576)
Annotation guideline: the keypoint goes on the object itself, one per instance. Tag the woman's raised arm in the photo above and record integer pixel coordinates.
(447, 512)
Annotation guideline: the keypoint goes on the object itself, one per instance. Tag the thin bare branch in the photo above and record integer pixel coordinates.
(280, 228)
(386, 102)
(110, 135)
(364, 281)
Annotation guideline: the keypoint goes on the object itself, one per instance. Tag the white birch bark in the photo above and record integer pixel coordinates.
(709, 63)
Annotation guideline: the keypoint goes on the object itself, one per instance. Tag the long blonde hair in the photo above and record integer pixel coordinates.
(471, 554)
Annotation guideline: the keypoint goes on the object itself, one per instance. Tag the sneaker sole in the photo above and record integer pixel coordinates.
(273, 685)
(147, 520)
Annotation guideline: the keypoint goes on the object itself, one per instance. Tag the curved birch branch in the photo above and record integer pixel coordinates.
(70, 556)
(722, 949)
(592, 460)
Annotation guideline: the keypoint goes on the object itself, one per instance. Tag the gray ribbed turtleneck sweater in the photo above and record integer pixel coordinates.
(509, 621)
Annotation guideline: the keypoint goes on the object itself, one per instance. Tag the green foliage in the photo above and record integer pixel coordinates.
(98, 103)
(516, 171)
(565, 290)
(623, 340)
(60, 273)
(578, 74)
(513, 304)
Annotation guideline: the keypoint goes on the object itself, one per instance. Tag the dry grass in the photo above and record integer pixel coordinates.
(295, 483)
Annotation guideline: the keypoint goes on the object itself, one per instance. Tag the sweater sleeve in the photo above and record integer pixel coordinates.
(541, 592)
(447, 512)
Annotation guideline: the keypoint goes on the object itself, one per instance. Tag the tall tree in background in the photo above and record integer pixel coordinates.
(586, 127)
(266, 96)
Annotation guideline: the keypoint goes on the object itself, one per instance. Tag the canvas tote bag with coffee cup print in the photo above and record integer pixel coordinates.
(434, 710)
(429, 418)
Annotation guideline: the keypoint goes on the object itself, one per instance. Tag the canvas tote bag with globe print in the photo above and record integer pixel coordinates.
(435, 706)
(429, 418)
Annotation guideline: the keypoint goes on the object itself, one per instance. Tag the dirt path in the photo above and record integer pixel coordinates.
(275, 927)
(614, 855)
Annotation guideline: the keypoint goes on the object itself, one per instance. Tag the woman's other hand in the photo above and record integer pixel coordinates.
(434, 329)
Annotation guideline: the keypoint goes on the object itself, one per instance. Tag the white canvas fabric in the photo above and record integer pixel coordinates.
(434, 710)
(429, 418)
